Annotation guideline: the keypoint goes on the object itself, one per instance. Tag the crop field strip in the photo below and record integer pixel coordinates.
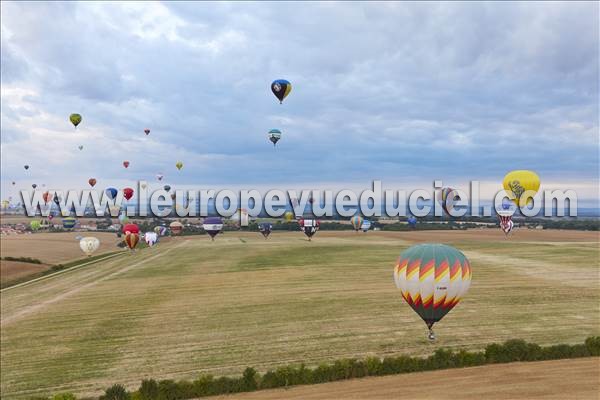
(217, 307)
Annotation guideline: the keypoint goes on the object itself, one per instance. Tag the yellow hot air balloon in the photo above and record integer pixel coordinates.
(516, 183)
(89, 245)
(288, 216)
(75, 119)
(179, 165)
(35, 225)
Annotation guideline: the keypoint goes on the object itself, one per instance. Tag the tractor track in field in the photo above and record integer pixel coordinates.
(39, 306)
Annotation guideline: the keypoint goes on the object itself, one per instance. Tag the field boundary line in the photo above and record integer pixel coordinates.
(60, 272)
(35, 307)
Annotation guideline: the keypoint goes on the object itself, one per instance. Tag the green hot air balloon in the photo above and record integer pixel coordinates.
(432, 279)
(35, 225)
(75, 119)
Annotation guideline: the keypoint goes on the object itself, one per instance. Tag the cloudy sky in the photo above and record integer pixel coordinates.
(406, 93)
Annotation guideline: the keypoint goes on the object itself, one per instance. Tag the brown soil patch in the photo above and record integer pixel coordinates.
(54, 248)
(561, 379)
(11, 271)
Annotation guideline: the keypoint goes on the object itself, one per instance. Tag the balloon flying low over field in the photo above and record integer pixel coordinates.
(265, 228)
(89, 245)
(309, 227)
(212, 226)
(432, 279)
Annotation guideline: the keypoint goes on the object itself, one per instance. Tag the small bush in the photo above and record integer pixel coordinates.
(115, 392)
(148, 390)
(593, 345)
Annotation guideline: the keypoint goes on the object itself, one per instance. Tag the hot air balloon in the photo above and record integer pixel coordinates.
(212, 226)
(505, 214)
(123, 218)
(446, 198)
(150, 238)
(14, 183)
(356, 222)
(176, 227)
(160, 230)
(89, 245)
(111, 193)
(92, 182)
(57, 199)
(179, 165)
(131, 239)
(75, 119)
(167, 187)
(46, 197)
(432, 279)
(80, 147)
(288, 216)
(159, 177)
(309, 227)
(69, 222)
(173, 196)
(5, 204)
(128, 193)
(516, 183)
(26, 167)
(130, 228)
(147, 131)
(35, 225)
(366, 225)
(126, 164)
(34, 185)
(143, 186)
(281, 88)
(50, 217)
(412, 222)
(265, 228)
(274, 136)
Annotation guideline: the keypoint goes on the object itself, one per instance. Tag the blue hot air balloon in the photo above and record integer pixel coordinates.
(212, 226)
(274, 136)
(412, 222)
(111, 193)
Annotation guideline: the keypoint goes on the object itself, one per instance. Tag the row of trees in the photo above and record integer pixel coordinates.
(251, 380)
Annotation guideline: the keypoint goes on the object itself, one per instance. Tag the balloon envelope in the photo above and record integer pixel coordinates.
(281, 88)
(128, 193)
(89, 245)
(92, 182)
(35, 225)
(356, 222)
(265, 228)
(150, 238)
(274, 136)
(179, 165)
(516, 183)
(212, 226)
(432, 279)
(176, 227)
(131, 239)
(69, 222)
(111, 193)
(75, 119)
(309, 227)
(131, 228)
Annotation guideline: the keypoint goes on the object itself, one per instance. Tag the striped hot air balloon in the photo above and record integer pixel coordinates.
(357, 221)
(131, 239)
(432, 279)
(213, 226)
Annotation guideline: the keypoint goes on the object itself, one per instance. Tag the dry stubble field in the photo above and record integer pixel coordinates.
(191, 306)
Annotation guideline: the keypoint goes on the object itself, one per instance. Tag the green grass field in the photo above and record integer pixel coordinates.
(191, 306)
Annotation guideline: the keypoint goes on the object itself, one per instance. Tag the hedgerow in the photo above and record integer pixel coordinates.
(292, 375)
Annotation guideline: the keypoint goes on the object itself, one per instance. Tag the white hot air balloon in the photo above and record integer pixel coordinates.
(89, 245)
(150, 238)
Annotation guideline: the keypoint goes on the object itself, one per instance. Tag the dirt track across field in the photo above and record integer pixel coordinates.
(562, 379)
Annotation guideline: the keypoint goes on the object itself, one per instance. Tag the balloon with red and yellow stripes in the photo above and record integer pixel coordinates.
(131, 239)
(432, 279)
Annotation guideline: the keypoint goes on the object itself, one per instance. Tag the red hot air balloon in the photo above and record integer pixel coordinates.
(147, 131)
(92, 182)
(131, 228)
(128, 193)
(46, 197)
(126, 164)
